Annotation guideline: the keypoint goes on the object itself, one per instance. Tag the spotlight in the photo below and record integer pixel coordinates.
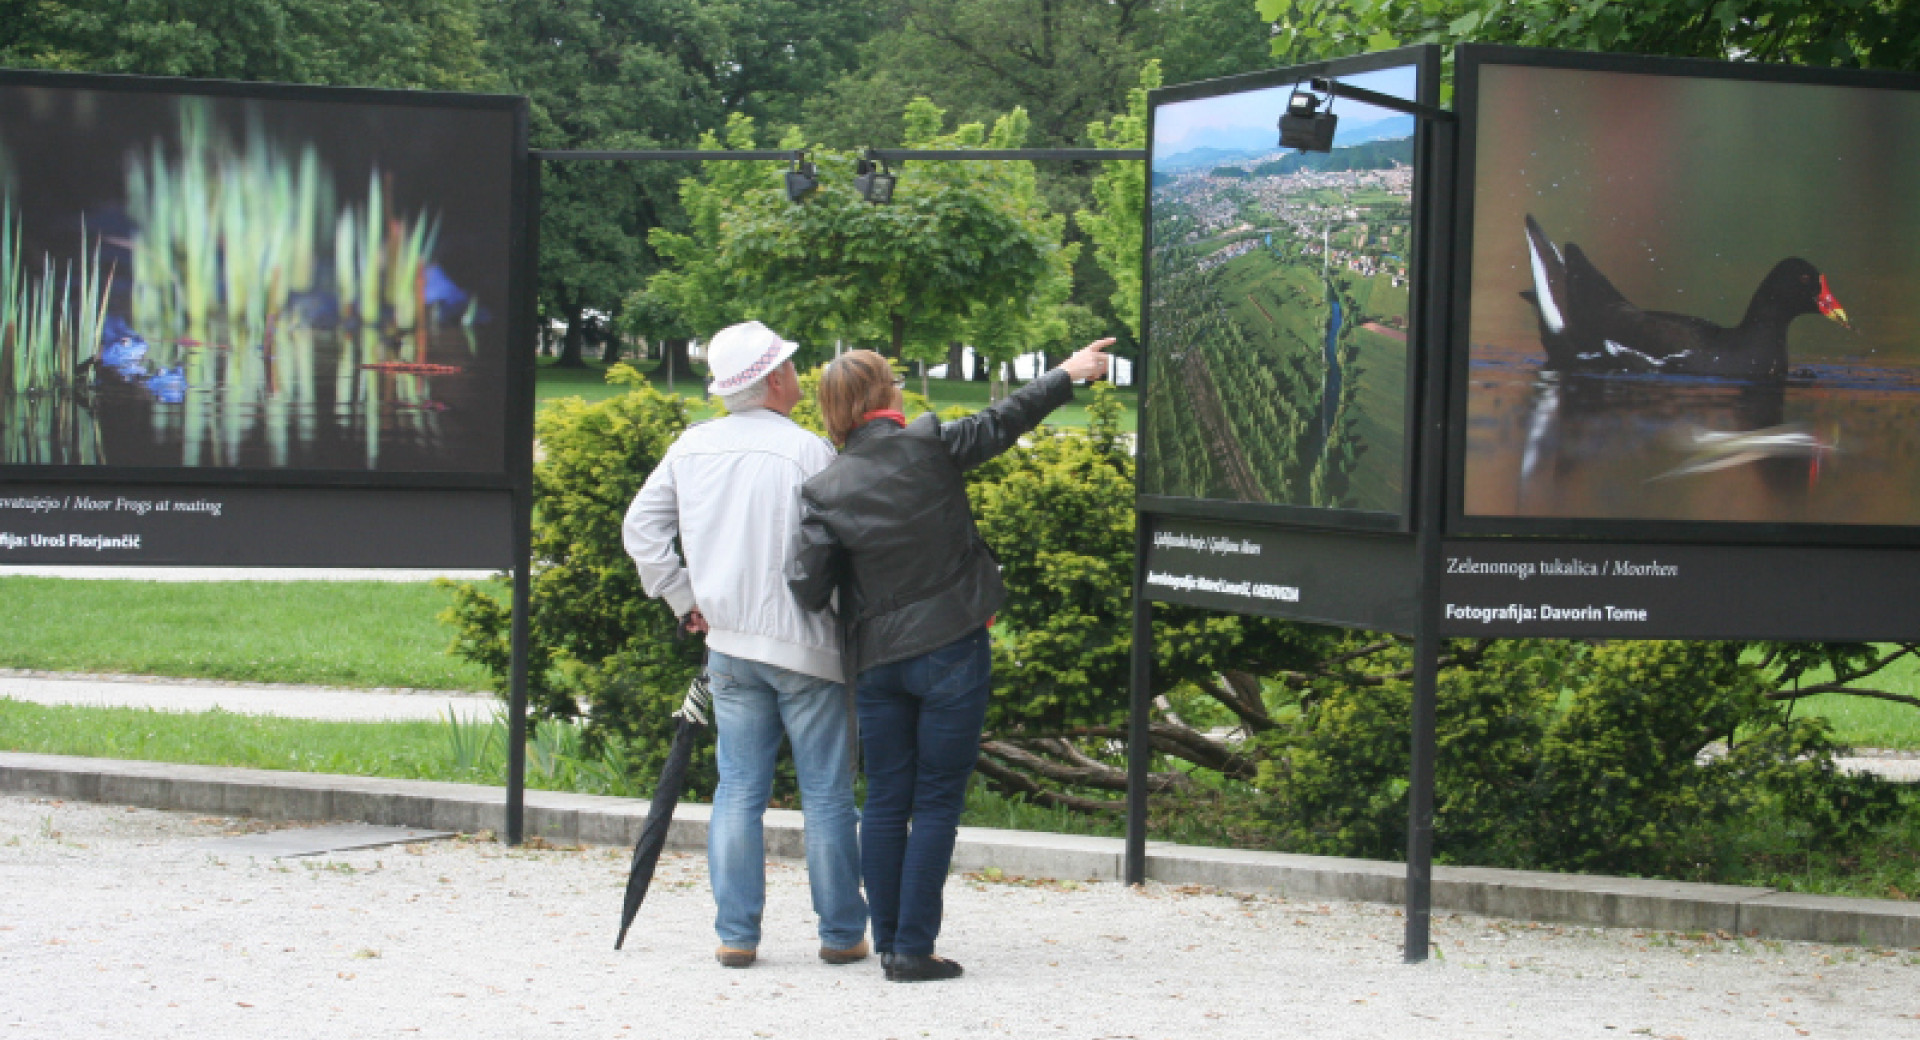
(801, 182)
(875, 183)
(1303, 125)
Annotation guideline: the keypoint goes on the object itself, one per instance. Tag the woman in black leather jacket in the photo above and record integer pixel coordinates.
(887, 525)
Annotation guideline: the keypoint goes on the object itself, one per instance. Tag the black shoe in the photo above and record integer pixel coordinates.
(886, 961)
(910, 967)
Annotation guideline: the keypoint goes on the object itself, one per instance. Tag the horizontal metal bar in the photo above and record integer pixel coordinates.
(565, 155)
(888, 154)
(1379, 100)
(1083, 154)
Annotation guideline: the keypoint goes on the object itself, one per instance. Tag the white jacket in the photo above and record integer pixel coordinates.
(730, 489)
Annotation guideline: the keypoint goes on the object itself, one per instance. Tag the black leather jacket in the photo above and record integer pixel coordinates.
(888, 525)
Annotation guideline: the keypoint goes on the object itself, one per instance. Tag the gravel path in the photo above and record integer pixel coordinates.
(122, 923)
(285, 701)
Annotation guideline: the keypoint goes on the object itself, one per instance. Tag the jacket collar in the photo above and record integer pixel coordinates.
(872, 429)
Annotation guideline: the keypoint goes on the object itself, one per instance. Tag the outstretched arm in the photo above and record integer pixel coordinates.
(985, 434)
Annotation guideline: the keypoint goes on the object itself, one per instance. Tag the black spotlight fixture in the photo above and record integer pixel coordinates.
(1304, 125)
(801, 181)
(874, 181)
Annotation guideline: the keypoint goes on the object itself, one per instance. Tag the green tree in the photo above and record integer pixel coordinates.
(423, 44)
(1120, 196)
(645, 74)
(1882, 34)
(960, 242)
(1066, 62)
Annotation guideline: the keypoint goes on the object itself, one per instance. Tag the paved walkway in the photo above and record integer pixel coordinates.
(119, 923)
(294, 702)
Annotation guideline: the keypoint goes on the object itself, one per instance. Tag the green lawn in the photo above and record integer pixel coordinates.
(466, 752)
(404, 750)
(371, 634)
(1381, 426)
(326, 633)
(1884, 865)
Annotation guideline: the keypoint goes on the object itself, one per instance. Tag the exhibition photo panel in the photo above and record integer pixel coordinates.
(218, 278)
(1690, 300)
(1280, 302)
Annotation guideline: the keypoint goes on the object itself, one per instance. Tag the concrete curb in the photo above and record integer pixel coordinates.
(595, 820)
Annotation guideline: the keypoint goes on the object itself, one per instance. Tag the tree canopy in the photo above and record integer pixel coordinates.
(422, 44)
(1882, 34)
(964, 249)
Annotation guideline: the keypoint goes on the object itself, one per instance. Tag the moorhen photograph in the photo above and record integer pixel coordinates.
(1655, 322)
(1586, 325)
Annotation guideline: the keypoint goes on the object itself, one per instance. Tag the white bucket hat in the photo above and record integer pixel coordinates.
(741, 355)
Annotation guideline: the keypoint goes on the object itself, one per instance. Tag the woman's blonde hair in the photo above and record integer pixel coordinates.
(853, 384)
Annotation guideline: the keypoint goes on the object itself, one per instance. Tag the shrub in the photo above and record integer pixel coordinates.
(1552, 754)
(596, 644)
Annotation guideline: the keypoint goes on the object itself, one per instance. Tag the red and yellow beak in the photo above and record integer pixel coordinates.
(1830, 305)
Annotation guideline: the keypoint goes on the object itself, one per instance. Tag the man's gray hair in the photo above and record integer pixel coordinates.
(746, 400)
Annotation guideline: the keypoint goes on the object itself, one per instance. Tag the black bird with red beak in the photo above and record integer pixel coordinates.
(1586, 325)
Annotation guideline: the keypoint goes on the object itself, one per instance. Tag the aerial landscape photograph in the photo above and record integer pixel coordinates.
(1278, 303)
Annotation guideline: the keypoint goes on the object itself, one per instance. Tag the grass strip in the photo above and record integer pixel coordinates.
(1881, 865)
(401, 750)
(354, 634)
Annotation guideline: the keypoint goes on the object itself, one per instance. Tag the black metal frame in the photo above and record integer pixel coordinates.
(1424, 458)
(1426, 59)
(1471, 59)
(519, 398)
(514, 471)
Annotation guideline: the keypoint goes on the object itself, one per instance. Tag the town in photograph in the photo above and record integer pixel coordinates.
(1278, 303)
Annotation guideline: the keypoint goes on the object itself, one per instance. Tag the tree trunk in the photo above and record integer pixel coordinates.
(610, 351)
(956, 360)
(673, 362)
(924, 392)
(899, 322)
(571, 347)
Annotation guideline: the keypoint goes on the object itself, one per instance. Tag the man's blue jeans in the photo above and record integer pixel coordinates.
(753, 705)
(920, 723)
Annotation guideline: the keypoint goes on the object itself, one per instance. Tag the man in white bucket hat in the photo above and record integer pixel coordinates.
(729, 489)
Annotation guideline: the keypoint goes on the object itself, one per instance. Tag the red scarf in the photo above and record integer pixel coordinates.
(899, 418)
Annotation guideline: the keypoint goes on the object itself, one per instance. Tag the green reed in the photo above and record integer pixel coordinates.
(384, 259)
(50, 326)
(226, 234)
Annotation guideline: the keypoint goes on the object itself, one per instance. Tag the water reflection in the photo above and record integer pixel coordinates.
(392, 401)
(1835, 444)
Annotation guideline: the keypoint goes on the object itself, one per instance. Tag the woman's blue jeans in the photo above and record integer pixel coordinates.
(920, 723)
(754, 704)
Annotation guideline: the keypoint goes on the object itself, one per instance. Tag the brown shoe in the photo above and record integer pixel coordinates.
(857, 952)
(732, 958)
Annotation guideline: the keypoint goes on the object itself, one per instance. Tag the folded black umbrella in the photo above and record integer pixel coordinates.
(690, 723)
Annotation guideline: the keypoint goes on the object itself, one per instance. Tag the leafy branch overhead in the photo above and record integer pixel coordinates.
(965, 251)
(1883, 34)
